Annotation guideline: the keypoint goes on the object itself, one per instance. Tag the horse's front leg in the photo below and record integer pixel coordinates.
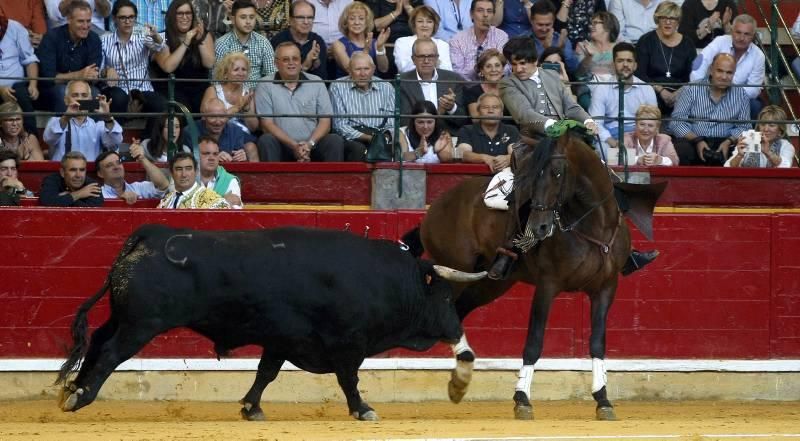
(462, 374)
(540, 308)
(601, 302)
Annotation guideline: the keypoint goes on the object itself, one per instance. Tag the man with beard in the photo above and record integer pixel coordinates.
(70, 187)
(467, 45)
(241, 38)
(605, 97)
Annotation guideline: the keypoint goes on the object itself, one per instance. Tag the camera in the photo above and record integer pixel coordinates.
(714, 157)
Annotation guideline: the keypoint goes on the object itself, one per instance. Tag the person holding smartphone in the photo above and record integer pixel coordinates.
(76, 131)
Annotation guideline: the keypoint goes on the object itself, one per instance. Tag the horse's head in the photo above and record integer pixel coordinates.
(544, 186)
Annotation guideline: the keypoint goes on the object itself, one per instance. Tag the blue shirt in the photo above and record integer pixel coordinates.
(58, 54)
(605, 104)
(695, 105)
(15, 51)
(515, 18)
(570, 60)
(232, 138)
(451, 16)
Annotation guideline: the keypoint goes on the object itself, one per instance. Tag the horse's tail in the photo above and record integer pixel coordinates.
(413, 240)
(80, 326)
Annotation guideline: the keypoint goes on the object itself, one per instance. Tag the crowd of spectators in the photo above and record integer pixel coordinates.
(304, 80)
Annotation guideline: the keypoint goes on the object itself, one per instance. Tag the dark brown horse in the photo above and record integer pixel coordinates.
(581, 243)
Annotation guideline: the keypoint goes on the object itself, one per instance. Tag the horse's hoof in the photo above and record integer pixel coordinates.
(606, 414)
(70, 404)
(456, 393)
(522, 412)
(250, 413)
(369, 415)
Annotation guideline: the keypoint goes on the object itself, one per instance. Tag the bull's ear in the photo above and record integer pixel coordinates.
(428, 279)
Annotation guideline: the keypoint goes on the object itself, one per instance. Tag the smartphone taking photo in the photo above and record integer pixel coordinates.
(89, 105)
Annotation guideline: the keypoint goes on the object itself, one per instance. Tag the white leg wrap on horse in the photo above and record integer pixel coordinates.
(461, 346)
(525, 379)
(599, 378)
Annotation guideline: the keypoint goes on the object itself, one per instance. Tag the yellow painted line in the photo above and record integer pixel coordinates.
(727, 210)
(306, 207)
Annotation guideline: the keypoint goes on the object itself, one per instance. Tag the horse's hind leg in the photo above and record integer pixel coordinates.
(268, 369)
(540, 309)
(601, 302)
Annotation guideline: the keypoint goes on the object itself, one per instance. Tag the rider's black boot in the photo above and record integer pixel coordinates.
(503, 263)
(637, 260)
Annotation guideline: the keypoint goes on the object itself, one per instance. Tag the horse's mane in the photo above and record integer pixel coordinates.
(529, 168)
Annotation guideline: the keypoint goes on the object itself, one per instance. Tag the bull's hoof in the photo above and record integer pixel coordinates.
(606, 413)
(251, 413)
(455, 391)
(523, 412)
(70, 404)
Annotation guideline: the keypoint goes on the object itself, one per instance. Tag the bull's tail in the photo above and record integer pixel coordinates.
(413, 240)
(80, 326)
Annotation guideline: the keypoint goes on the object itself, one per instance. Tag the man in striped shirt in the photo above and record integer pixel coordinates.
(710, 115)
(361, 93)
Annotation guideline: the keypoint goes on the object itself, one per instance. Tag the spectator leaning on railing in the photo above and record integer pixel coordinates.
(188, 192)
(70, 187)
(710, 115)
(111, 169)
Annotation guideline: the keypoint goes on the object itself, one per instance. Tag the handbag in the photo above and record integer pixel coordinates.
(381, 146)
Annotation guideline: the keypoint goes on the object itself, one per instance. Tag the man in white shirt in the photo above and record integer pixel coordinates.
(635, 17)
(81, 133)
(326, 18)
(441, 87)
(214, 176)
(109, 167)
(750, 61)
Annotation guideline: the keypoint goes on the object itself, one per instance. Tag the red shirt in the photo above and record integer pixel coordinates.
(29, 13)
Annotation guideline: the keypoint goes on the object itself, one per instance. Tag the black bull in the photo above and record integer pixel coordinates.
(323, 300)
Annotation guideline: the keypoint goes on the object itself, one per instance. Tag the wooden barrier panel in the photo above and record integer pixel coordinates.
(725, 286)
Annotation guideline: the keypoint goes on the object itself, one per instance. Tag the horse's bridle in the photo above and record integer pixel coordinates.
(605, 247)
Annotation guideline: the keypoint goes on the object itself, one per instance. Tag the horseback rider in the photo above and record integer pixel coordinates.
(537, 99)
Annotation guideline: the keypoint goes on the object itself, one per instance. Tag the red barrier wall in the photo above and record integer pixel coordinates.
(725, 286)
(351, 183)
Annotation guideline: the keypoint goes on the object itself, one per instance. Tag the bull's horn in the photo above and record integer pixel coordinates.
(457, 276)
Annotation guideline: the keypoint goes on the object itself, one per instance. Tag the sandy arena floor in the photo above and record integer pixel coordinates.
(562, 420)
